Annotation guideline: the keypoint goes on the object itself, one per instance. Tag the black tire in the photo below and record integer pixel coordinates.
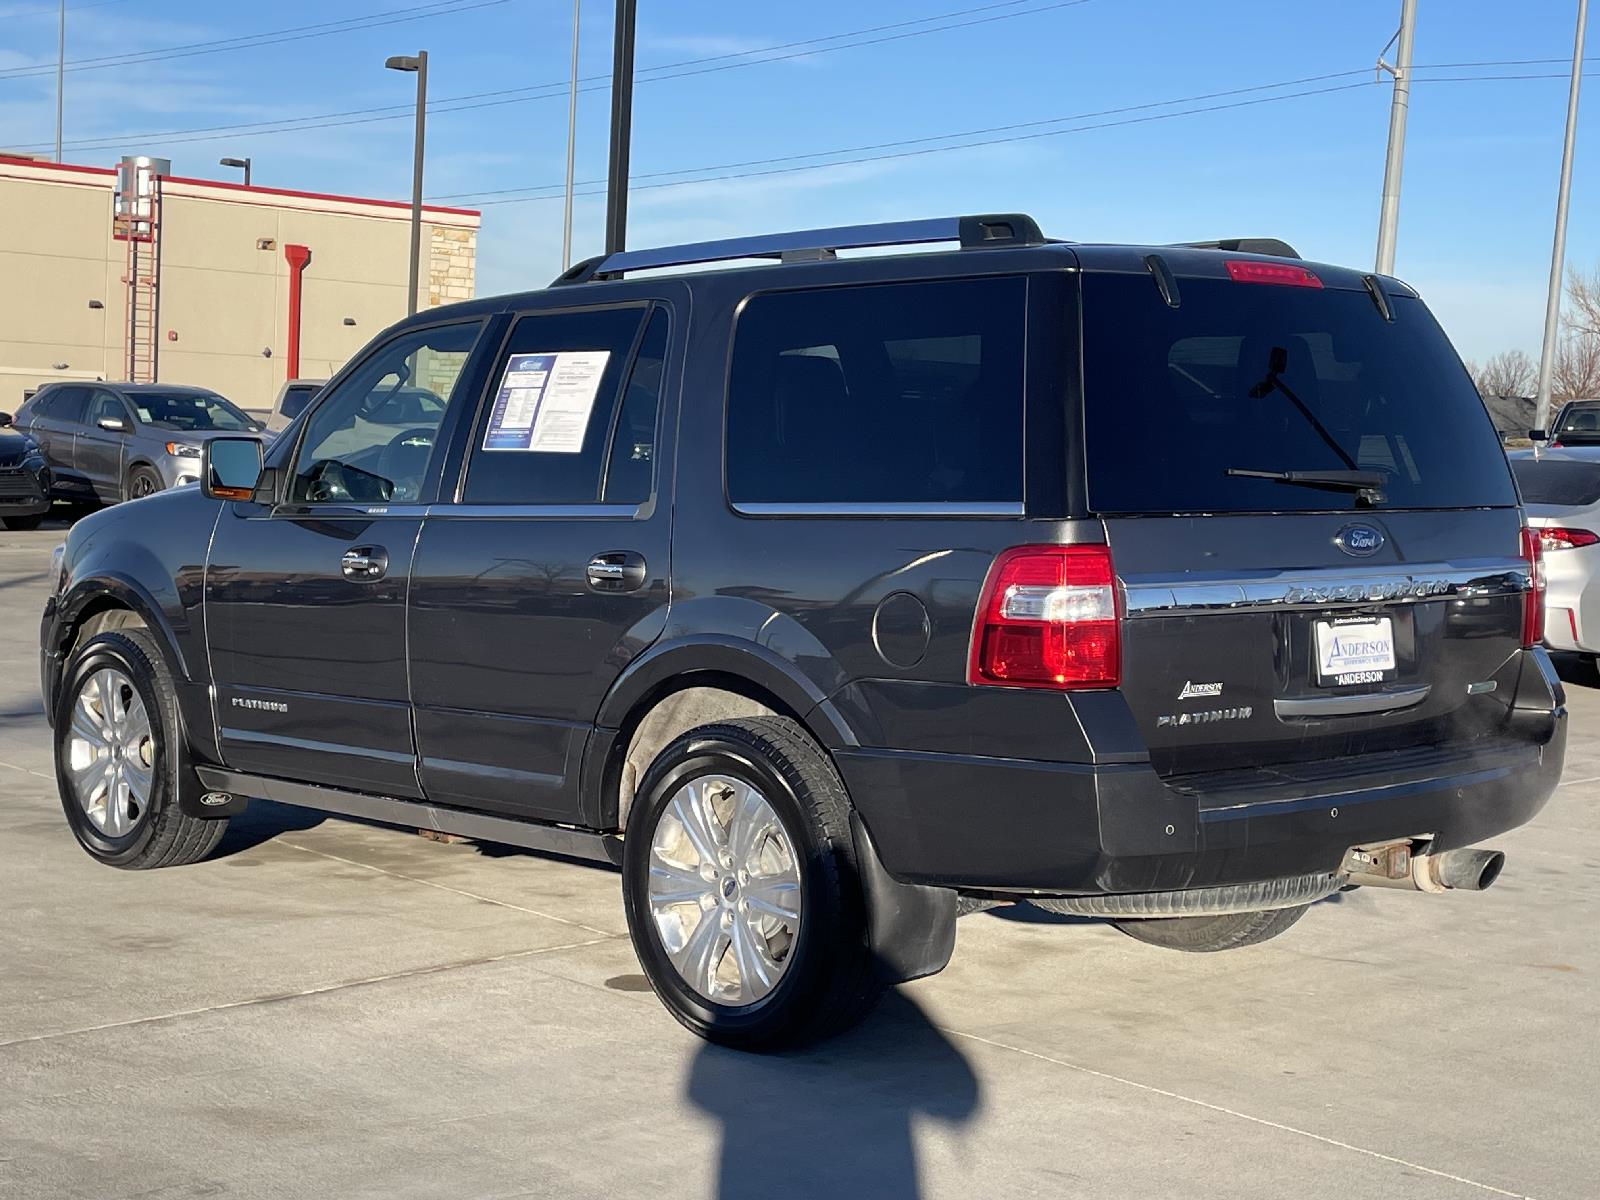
(143, 481)
(828, 983)
(161, 835)
(23, 524)
(1203, 935)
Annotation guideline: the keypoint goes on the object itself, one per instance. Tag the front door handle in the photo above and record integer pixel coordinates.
(365, 564)
(616, 571)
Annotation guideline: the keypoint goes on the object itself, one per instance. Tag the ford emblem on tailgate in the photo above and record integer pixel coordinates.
(1363, 541)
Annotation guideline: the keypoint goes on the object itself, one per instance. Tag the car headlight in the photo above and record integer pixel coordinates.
(183, 450)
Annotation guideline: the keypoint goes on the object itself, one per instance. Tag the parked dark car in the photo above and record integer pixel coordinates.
(1577, 424)
(24, 478)
(1181, 586)
(107, 442)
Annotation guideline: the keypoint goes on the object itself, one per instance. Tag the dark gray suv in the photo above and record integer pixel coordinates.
(1177, 585)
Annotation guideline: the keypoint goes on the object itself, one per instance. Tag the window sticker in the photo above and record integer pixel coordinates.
(544, 401)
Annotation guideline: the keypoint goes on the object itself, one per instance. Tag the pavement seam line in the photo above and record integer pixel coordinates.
(28, 771)
(1570, 782)
(325, 989)
(1232, 1112)
(444, 887)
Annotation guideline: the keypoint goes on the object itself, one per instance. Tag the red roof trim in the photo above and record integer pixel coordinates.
(225, 185)
(270, 191)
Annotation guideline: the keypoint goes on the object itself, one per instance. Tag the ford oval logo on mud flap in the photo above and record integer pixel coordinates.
(1363, 541)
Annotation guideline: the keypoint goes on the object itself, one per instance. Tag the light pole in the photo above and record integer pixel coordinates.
(417, 63)
(241, 163)
(1394, 161)
(621, 128)
(1558, 254)
(61, 73)
(572, 139)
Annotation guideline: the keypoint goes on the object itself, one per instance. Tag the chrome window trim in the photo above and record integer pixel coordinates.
(459, 512)
(1309, 589)
(846, 509)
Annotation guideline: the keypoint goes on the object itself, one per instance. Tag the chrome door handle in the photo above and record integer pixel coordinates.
(365, 563)
(616, 571)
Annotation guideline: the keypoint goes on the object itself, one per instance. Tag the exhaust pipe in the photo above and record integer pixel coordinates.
(1396, 866)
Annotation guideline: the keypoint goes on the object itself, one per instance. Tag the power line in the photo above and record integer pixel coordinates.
(1023, 137)
(52, 10)
(297, 33)
(942, 137)
(984, 14)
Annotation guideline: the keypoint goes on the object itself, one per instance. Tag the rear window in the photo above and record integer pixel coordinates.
(1580, 421)
(295, 399)
(905, 393)
(1175, 398)
(1557, 481)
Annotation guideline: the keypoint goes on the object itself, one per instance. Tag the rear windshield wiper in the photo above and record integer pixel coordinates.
(1368, 485)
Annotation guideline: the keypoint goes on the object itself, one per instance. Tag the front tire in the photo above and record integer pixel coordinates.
(23, 524)
(142, 482)
(1205, 935)
(742, 895)
(120, 756)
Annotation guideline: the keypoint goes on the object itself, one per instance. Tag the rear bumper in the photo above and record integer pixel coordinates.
(1014, 825)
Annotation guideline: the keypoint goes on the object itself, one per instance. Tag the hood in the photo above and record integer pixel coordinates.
(13, 445)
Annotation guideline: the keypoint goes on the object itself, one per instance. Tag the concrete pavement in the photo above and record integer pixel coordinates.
(336, 1009)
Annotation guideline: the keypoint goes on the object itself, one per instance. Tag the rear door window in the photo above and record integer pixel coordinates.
(905, 393)
(66, 404)
(1557, 481)
(1175, 399)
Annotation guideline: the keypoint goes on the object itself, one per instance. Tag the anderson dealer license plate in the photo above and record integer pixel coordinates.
(1354, 651)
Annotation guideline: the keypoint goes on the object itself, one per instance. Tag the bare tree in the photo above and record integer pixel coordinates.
(1583, 303)
(1576, 373)
(1509, 373)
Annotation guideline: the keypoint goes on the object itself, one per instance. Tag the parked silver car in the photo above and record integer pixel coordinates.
(108, 442)
(1561, 489)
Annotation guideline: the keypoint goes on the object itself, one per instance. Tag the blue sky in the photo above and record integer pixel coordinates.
(1481, 166)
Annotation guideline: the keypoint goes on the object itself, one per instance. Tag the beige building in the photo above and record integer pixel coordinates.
(145, 275)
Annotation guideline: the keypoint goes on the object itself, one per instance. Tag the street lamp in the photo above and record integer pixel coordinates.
(241, 163)
(419, 64)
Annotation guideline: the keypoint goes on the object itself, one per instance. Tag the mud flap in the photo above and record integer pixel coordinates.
(911, 928)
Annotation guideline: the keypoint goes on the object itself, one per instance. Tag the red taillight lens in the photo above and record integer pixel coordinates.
(1282, 274)
(1553, 538)
(1048, 618)
(1533, 598)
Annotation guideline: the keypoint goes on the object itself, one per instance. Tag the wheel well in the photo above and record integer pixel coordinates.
(681, 704)
(102, 616)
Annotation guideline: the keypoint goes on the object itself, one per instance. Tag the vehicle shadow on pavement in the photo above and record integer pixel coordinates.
(1578, 670)
(261, 822)
(837, 1119)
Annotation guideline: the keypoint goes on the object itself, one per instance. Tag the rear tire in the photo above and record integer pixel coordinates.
(774, 817)
(142, 481)
(1204, 935)
(23, 524)
(120, 756)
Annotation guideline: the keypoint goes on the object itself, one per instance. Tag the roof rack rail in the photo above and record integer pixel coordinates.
(995, 230)
(1274, 246)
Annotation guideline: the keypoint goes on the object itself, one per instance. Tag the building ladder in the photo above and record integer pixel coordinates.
(143, 281)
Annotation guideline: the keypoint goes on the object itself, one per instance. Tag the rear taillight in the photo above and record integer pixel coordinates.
(1552, 537)
(1282, 274)
(1048, 618)
(1533, 598)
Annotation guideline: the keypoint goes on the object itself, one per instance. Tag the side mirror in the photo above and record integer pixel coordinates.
(5, 420)
(1538, 435)
(113, 424)
(230, 467)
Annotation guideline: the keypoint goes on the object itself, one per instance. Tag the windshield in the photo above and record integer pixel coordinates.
(1580, 424)
(1206, 407)
(1557, 480)
(190, 411)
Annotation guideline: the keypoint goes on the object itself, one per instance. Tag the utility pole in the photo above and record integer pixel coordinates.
(1394, 162)
(621, 128)
(572, 139)
(1558, 254)
(61, 74)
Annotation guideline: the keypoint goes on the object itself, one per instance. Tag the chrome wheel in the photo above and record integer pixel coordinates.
(111, 752)
(724, 890)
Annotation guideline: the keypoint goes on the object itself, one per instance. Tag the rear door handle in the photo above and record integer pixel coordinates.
(365, 563)
(617, 571)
